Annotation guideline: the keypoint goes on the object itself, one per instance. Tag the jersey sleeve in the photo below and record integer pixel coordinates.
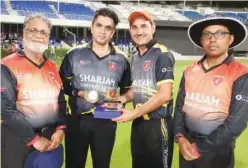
(165, 68)
(66, 74)
(235, 123)
(179, 124)
(125, 82)
(11, 116)
(61, 123)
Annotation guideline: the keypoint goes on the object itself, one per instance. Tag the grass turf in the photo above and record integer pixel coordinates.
(121, 156)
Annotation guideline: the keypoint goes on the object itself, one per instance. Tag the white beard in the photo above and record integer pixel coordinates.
(34, 46)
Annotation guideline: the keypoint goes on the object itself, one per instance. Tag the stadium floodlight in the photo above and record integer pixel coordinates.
(74, 35)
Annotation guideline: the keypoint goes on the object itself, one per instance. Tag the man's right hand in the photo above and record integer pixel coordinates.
(186, 149)
(42, 144)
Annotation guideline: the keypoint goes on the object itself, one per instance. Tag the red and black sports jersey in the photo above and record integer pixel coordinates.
(213, 102)
(32, 94)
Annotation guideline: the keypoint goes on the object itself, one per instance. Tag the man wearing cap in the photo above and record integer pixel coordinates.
(151, 93)
(212, 102)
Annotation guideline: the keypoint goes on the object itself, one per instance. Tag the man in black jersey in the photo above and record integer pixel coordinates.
(100, 67)
(151, 93)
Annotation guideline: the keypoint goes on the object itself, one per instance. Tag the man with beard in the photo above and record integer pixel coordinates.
(101, 68)
(33, 106)
(212, 102)
(152, 74)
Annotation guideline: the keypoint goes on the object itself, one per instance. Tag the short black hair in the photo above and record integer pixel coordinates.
(107, 13)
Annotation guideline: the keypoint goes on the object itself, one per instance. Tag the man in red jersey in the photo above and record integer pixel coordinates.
(32, 100)
(212, 103)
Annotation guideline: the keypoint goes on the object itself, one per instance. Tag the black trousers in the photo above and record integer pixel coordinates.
(13, 150)
(221, 158)
(152, 143)
(84, 131)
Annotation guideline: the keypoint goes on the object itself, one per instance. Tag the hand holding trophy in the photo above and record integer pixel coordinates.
(111, 108)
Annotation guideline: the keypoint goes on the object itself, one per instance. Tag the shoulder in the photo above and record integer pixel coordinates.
(11, 59)
(193, 66)
(77, 49)
(162, 47)
(237, 69)
(121, 54)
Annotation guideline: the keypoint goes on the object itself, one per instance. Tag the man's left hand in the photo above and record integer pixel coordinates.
(56, 139)
(127, 115)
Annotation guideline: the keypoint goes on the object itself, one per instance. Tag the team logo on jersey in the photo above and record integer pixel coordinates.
(52, 75)
(112, 66)
(112, 93)
(217, 80)
(147, 65)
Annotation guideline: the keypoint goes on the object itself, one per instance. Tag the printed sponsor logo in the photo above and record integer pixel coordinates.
(201, 98)
(189, 77)
(83, 62)
(142, 82)
(147, 65)
(3, 89)
(240, 97)
(168, 69)
(25, 75)
(97, 79)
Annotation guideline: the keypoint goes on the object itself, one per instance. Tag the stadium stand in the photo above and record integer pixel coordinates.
(75, 11)
(3, 9)
(24, 8)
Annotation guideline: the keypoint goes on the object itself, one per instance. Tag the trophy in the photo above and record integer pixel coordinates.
(111, 107)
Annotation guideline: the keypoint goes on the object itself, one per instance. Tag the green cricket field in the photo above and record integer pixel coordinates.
(121, 156)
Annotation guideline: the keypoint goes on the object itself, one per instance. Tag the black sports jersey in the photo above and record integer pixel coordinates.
(31, 95)
(82, 69)
(149, 71)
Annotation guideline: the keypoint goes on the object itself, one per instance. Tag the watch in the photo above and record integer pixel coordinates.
(74, 92)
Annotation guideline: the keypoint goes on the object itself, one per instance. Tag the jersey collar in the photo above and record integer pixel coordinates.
(21, 53)
(112, 49)
(148, 46)
(227, 61)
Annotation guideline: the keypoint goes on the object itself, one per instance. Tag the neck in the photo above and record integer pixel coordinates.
(101, 50)
(35, 57)
(215, 60)
(142, 49)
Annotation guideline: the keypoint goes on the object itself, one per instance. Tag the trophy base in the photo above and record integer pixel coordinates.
(104, 113)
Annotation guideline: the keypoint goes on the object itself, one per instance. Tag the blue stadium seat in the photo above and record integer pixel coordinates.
(75, 11)
(193, 15)
(4, 9)
(26, 7)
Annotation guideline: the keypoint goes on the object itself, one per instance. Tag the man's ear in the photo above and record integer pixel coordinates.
(231, 39)
(113, 33)
(153, 28)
